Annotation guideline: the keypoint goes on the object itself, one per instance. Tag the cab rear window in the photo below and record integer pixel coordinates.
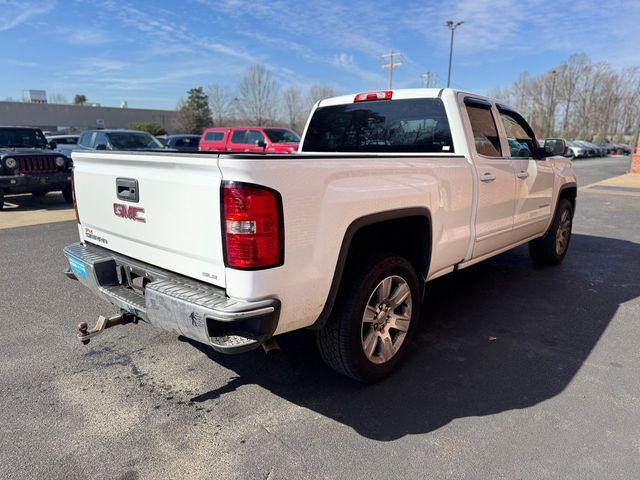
(405, 126)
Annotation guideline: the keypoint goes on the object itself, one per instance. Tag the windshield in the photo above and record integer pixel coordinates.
(282, 135)
(133, 141)
(22, 137)
(417, 125)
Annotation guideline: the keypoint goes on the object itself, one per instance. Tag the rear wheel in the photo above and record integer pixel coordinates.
(67, 194)
(552, 248)
(374, 319)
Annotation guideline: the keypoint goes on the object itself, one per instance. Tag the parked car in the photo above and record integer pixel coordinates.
(589, 151)
(28, 164)
(623, 149)
(182, 142)
(599, 150)
(249, 139)
(117, 139)
(63, 143)
(576, 150)
(390, 189)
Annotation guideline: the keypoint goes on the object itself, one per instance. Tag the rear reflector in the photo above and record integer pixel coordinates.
(367, 97)
(252, 226)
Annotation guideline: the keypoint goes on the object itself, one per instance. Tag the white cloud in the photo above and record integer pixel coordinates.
(14, 13)
(85, 36)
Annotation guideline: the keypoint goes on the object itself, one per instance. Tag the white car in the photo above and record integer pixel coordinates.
(388, 191)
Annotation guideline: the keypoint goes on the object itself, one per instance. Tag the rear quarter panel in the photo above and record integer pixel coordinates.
(323, 195)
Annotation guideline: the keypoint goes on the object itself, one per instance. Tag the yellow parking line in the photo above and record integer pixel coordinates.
(628, 180)
(25, 210)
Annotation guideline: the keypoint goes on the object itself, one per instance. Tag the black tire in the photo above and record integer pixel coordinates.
(1, 199)
(551, 249)
(341, 341)
(67, 194)
(38, 194)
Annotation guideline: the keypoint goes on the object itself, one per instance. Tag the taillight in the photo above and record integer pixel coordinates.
(367, 97)
(252, 226)
(73, 195)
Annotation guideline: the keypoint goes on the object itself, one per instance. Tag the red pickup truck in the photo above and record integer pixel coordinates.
(249, 139)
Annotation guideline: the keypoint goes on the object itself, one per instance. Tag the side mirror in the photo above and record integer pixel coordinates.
(52, 145)
(101, 146)
(261, 144)
(555, 146)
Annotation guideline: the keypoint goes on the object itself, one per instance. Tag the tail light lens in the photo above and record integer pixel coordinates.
(73, 195)
(252, 226)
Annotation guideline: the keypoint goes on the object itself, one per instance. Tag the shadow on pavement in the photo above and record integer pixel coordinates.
(27, 202)
(545, 323)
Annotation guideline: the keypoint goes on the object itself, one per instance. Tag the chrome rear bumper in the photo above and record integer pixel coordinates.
(172, 302)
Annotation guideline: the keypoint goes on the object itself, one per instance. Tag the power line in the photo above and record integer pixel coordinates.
(391, 64)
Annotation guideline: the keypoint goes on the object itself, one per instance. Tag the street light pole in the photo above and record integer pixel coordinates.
(451, 25)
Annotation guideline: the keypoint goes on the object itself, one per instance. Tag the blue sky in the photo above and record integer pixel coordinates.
(150, 53)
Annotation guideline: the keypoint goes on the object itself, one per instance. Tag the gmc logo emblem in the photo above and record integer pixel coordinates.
(129, 211)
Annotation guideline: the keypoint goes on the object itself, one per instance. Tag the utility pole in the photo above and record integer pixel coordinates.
(391, 64)
(427, 77)
(552, 110)
(451, 25)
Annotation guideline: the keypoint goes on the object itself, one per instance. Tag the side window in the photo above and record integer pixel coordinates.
(238, 136)
(214, 136)
(485, 132)
(521, 143)
(253, 136)
(101, 139)
(85, 139)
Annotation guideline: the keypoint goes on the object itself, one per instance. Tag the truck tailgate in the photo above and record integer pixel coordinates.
(174, 222)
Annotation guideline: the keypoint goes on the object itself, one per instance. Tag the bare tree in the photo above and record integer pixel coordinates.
(184, 120)
(294, 108)
(591, 101)
(258, 95)
(319, 92)
(220, 101)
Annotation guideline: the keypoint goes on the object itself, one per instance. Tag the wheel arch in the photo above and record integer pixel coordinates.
(568, 191)
(414, 242)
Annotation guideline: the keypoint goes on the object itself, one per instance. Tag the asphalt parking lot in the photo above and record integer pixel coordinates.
(518, 372)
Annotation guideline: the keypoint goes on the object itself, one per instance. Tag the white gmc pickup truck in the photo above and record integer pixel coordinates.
(389, 190)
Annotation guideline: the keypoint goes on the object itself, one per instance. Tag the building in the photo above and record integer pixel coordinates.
(67, 117)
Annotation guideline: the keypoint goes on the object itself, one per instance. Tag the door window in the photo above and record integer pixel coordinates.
(238, 136)
(85, 139)
(519, 137)
(254, 136)
(101, 139)
(485, 132)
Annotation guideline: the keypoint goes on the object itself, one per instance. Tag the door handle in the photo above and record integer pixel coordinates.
(487, 177)
(522, 175)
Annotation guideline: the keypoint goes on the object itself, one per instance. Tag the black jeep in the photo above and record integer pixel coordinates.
(29, 165)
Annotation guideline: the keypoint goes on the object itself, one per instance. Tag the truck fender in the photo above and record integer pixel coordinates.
(343, 255)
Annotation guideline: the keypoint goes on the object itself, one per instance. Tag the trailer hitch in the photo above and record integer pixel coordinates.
(85, 335)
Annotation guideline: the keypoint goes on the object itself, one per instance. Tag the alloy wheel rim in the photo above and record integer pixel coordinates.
(563, 233)
(386, 319)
